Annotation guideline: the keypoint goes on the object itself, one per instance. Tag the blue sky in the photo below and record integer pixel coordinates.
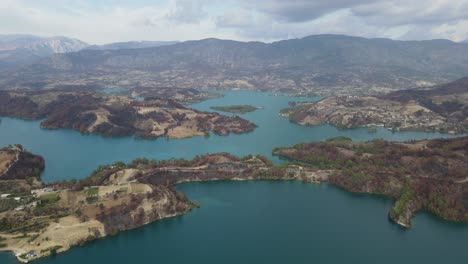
(105, 21)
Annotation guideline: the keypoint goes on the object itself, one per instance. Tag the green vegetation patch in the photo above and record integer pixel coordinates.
(49, 198)
(236, 109)
(122, 190)
(33, 237)
(402, 203)
(8, 204)
(92, 192)
(53, 250)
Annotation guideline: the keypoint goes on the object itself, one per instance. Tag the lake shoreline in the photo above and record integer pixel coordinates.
(85, 153)
(149, 189)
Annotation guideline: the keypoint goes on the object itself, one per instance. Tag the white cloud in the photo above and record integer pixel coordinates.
(400, 19)
(264, 20)
(115, 23)
(399, 12)
(456, 31)
(236, 18)
(301, 10)
(187, 11)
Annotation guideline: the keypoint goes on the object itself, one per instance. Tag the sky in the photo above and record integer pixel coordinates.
(106, 21)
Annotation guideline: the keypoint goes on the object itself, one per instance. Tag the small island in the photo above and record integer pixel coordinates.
(236, 109)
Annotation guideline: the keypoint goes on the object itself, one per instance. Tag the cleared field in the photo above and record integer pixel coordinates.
(8, 204)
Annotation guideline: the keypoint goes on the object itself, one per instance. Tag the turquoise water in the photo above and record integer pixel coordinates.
(245, 222)
(277, 222)
(69, 154)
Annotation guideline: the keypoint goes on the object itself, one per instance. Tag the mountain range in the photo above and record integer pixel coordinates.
(130, 45)
(317, 64)
(20, 50)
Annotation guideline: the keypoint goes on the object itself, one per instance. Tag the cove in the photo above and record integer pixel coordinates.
(277, 222)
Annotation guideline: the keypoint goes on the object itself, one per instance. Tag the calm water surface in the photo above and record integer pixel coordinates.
(255, 222)
(69, 154)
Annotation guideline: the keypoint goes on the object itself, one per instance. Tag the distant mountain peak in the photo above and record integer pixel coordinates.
(131, 45)
(19, 50)
(41, 46)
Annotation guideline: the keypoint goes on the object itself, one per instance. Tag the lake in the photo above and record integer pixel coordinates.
(68, 154)
(245, 222)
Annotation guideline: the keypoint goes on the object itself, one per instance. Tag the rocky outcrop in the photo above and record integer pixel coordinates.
(18, 164)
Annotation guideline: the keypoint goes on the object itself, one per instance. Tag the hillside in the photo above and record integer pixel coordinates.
(441, 108)
(113, 115)
(424, 175)
(18, 164)
(19, 171)
(120, 197)
(320, 64)
(420, 175)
